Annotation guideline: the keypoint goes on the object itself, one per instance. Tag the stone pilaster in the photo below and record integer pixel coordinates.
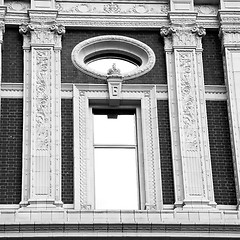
(42, 110)
(188, 119)
(2, 29)
(230, 35)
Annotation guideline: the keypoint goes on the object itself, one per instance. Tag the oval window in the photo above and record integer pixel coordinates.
(96, 56)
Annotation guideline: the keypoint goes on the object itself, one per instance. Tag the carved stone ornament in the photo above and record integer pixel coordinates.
(206, 9)
(25, 28)
(43, 33)
(183, 35)
(113, 8)
(42, 98)
(167, 31)
(58, 29)
(200, 31)
(17, 6)
(112, 44)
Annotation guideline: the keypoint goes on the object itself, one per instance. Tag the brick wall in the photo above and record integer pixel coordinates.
(12, 56)
(212, 59)
(67, 151)
(221, 154)
(165, 152)
(11, 150)
(152, 39)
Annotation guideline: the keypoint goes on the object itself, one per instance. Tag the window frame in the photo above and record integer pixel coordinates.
(113, 44)
(138, 146)
(144, 96)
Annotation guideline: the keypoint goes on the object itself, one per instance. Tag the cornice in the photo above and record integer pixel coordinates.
(121, 14)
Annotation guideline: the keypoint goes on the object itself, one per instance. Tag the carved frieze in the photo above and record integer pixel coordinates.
(112, 8)
(206, 9)
(17, 6)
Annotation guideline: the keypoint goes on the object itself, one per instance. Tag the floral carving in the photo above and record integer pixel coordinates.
(112, 8)
(188, 101)
(42, 98)
(206, 9)
(17, 6)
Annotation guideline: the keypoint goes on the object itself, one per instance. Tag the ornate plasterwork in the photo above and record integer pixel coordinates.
(206, 9)
(183, 36)
(17, 6)
(40, 33)
(43, 65)
(189, 116)
(112, 8)
(113, 43)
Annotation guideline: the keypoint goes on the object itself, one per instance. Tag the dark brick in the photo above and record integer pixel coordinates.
(67, 151)
(165, 152)
(11, 150)
(152, 38)
(221, 153)
(12, 56)
(212, 59)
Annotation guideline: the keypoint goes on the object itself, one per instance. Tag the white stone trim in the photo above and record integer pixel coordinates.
(212, 92)
(188, 120)
(232, 59)
(113, 43)
(83, 194)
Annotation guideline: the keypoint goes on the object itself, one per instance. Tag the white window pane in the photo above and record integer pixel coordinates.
(116, 179)
(103, 65)
(114, 131)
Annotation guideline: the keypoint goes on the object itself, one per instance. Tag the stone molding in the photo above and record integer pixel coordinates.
(83, 176)
(45, 223)
(212, 92)
(111, 44)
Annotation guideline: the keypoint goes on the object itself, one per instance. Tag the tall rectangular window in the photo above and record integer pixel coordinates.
(115, 159)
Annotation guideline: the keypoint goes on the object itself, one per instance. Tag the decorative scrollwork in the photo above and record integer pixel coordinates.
(58, 29)
(200, 31)
(25, 28)
(167, 31)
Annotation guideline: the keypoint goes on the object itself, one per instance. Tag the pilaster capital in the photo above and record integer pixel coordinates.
(230, 28)
(42, 33)
(183, 36)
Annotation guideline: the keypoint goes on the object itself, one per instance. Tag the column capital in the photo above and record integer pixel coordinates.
(183, 36)
(230, 28)
(42, 33)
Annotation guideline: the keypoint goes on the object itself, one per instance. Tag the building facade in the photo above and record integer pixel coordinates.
(146, 150)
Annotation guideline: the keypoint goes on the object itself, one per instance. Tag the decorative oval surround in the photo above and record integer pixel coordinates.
(113, 44)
